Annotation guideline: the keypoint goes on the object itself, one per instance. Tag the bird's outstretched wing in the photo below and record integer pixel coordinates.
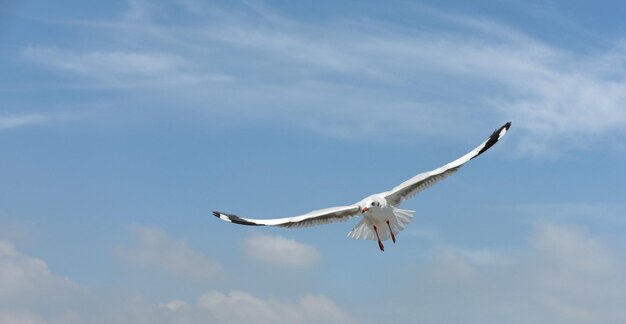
(316, 217)
(424, 180)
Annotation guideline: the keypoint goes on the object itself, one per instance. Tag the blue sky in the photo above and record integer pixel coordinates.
(123, 124)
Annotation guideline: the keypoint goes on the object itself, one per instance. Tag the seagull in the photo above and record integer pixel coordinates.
(381, 217)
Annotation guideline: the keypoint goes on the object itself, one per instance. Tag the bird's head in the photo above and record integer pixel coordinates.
(371, 204)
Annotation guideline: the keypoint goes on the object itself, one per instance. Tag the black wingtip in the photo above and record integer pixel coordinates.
(497, 132)
(234, 219)
(493, 139)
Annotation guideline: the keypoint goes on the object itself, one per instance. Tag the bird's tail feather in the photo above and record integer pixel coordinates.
(364, 230)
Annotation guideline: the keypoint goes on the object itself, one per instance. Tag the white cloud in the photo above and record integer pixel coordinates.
(235, 307)
(574, 249)
(568, 276)
(16, 317)
(13, 121)
(579, 278)
(280, 251)
(174, 305)
(591, 214)
(243, 307)
(23, 278)
(31, 293)
(156, 249)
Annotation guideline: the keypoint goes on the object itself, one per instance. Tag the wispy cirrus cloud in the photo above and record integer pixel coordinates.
(362, 77)
(18, 120)
(121, 69)
(98, 62)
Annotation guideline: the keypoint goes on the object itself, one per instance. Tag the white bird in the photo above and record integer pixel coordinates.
(382, 218)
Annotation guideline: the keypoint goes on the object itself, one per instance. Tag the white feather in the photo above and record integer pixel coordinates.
(364, 229)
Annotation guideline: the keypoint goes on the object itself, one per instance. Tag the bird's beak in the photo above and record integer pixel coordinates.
(364, 209)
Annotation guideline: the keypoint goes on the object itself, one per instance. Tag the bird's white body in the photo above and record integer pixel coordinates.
(381, 216)
(378, 215)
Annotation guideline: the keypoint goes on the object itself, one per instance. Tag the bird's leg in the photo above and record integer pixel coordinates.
(380, 244)
(393, 237)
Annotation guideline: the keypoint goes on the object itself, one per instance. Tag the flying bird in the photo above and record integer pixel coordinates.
(381, 217)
